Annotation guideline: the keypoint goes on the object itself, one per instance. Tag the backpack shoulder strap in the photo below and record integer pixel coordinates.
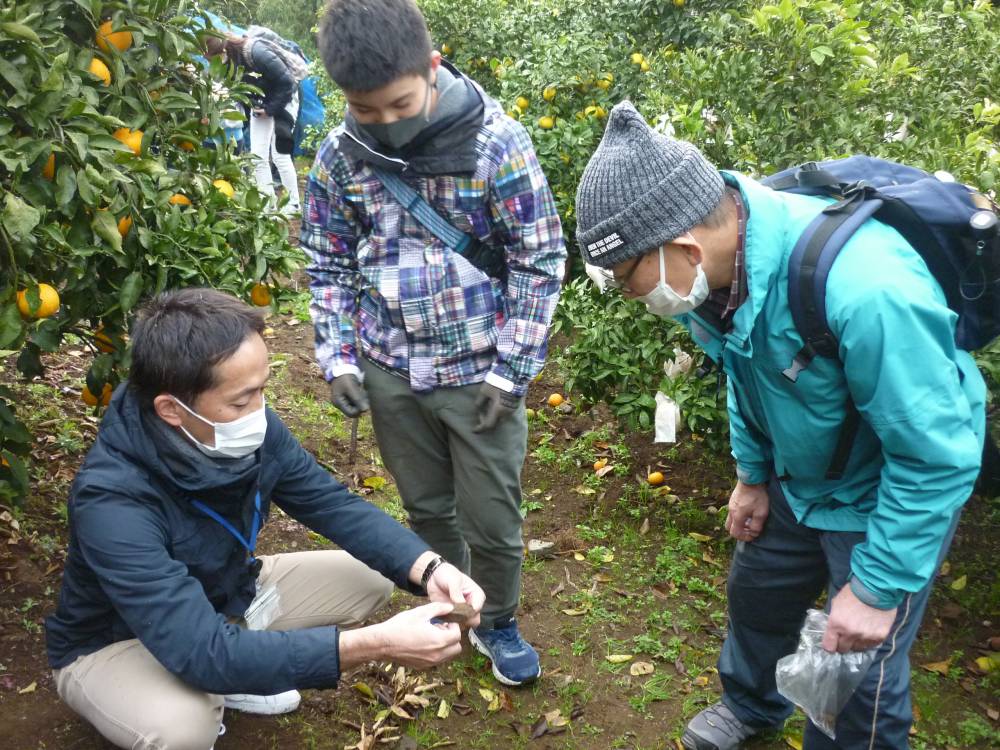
(422, 211)
(808, 269)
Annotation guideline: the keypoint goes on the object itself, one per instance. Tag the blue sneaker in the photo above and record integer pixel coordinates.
(515, 662)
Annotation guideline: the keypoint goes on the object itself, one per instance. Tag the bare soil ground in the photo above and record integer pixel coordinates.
(637, 572)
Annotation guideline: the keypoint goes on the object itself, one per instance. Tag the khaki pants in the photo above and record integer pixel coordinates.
(135, 703)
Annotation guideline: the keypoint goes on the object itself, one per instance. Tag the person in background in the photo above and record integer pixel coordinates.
(272, 114)
(711, 249)
(441, 342)
(167, 614)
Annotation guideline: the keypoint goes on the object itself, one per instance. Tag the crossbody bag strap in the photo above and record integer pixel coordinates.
(422, 211)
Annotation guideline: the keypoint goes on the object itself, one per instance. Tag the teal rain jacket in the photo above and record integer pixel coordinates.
(922, 401)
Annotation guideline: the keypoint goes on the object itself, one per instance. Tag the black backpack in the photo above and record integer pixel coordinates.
(952, 227)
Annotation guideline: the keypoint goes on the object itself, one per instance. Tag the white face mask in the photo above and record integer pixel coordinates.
(665, 302)
(235, 439)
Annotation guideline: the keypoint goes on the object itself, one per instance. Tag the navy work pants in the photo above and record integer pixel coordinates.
(772, 582)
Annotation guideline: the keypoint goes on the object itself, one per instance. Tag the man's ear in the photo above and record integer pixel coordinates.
(693, 250)
(167, 409)
(435, 60)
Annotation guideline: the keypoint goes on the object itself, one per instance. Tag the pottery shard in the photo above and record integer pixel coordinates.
(460, 614)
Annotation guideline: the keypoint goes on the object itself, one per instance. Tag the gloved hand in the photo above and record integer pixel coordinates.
(349, 395)
(494, 405)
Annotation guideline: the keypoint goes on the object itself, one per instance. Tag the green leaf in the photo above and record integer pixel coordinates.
(87, 191)
(130, 290)
(11, 325)
(105, 226)
(65, 185)
(12, 74)
(47, 335)
(18, 217)
(19, 31)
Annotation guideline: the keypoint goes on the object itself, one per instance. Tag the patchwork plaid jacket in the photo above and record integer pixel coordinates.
(379, 278)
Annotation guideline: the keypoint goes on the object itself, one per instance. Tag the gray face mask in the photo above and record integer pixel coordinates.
(397, 134)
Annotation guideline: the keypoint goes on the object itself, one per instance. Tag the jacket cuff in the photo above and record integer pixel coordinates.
(336, 370)
(873, 596)
(753, 472)
(315, 656)
(504, 378)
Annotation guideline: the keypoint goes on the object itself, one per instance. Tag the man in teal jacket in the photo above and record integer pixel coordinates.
(711, 249)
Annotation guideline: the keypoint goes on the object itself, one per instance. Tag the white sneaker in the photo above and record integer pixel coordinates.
(269, 705)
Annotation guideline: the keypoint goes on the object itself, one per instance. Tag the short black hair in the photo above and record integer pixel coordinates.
(180, 336)
(367, 44)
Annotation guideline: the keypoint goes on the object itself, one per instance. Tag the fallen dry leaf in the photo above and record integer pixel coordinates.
(639, 668)
(29, 689)
(959, 583)
(574, 612)
(375, 483)
(619, 658)
(366, 691)
(644, 528)
(794, 741)
(444, 711)
(941, 667)
(605, 470)
(699, 537)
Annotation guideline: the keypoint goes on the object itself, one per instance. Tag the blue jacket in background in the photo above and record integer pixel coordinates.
(144, 563)
(922, 401)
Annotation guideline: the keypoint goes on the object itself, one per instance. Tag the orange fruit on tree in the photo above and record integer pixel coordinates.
(225, 187)
(99, 70)
(106, 38)
(522, 103)
(105, 343)
(49, 170)
(637, 58)
(549, 93)
(91, 400)
(445, 49)
(3, 462)
(179, 199)
(48, 304)
(131, 138)
(546, 122)
(655, 478)
(644, 67)
(124, 225)
(185, 145)
(555, 399)
(260, 295)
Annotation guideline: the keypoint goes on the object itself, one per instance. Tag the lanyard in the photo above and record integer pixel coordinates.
(250, 543)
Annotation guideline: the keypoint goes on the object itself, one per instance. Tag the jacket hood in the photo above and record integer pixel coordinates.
(446, 146)
(142, 439)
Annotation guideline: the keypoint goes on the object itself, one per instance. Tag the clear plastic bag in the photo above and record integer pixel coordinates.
(817, 681)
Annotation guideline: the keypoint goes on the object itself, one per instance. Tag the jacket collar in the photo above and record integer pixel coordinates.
(446, 147)
(764, 252)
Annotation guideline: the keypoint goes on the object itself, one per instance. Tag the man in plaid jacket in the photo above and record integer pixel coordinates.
(441, 347)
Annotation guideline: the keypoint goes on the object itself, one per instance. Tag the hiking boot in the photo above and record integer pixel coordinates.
(515, 662)
(268, 705)
(716, 728)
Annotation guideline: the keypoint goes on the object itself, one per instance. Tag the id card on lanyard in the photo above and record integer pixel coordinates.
(266, 606)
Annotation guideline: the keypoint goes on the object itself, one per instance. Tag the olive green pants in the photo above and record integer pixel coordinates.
(461, 490)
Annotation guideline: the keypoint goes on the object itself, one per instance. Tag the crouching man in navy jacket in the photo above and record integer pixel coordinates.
(166, 616)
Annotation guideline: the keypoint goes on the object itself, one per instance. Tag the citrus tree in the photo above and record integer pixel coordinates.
(756, 84)
(115, 183)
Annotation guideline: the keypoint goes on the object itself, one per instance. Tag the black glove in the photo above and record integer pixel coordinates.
(349, 395)
(494, 405)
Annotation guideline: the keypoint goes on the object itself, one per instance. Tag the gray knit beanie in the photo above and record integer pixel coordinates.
(640, 190)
